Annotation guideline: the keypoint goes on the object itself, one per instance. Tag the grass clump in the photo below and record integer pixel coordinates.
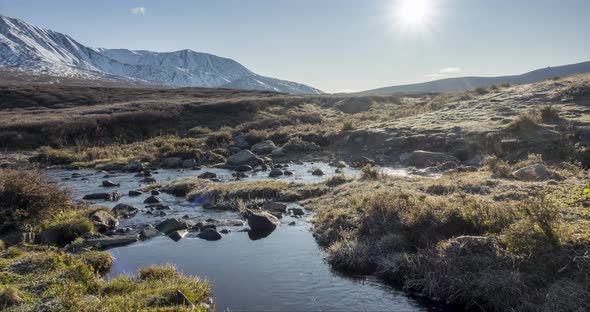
(490, 250)
(100, 261)
(499, 168)
(157, 272)
(9, 297)
(369, 173)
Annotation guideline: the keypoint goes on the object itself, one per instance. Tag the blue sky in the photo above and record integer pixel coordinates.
(334, 45)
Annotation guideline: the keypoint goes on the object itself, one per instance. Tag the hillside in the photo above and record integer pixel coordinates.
(467, 83)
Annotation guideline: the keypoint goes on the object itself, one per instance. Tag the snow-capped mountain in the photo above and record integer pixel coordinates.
(33, 49)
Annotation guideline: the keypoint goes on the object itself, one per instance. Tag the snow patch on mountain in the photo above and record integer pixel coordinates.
(34, 49)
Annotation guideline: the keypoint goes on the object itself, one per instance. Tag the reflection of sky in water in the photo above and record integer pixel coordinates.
(283, 271)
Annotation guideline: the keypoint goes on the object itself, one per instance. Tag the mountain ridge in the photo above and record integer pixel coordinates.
(45, 52)
(472, 82)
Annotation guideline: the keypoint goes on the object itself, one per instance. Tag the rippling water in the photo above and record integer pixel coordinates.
(282, 272)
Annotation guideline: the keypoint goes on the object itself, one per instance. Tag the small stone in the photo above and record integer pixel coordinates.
(152, 200)
(207, 175)
(155, 192)
(209, 234)
(135, 193)
(288, 173)
(275, 172)
(317, 172)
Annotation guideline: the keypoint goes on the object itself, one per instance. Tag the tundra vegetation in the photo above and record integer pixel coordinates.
(504, 225)
(41, 276)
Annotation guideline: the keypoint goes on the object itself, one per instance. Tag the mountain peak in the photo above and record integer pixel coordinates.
(30, 48)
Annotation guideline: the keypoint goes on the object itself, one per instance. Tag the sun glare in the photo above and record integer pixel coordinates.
(413, 15)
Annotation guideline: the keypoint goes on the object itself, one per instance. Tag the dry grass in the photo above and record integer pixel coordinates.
(463, 238)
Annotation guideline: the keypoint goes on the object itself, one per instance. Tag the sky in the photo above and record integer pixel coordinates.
(335, 45)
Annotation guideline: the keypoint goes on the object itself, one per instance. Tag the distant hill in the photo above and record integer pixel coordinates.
(28, 49)
(466, 83)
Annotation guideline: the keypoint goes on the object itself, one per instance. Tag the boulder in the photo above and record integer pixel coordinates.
(103, 196)
(537, 172)
(135, 166)
(170, 225)
(277, 153)
(189, 163)
(262, 221)
(124, 211)
(263, 147)
(209, 234)
(109, 183)
(275, 172)
(317, 172)
(135, 193)
(276, 207)
(244, 168)
(241, 142)
(103, 221)
(149, 232)
(296, 211)
(207, 175)
(171, 162)
(148, 180)
(152, 200)
(288, 173)
(19, 238)
(177, 235)
(424, 159)
(244, 157)
(102, 243)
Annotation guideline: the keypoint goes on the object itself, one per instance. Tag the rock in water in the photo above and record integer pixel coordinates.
(275, 172)
(262, 221)
(170, 225)
(124, 211)
(537, 172)
(423, 159)
(103, 196)
(277, 207)
(244, 157)
(207, 175)
(135, 193)
(177, 235)
(244, 168)
(209, 234)
(317, 172)
(103, 221)
(264, 147)
(152, 200)
(109, 183)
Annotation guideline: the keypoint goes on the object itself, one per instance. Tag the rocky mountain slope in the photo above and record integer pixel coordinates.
(45, 52)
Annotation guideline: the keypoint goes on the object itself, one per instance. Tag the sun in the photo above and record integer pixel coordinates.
(413, 14)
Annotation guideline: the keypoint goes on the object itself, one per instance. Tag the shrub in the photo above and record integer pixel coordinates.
(549, 114)
(50, 156)
(526, 122)
(155, 272)
(369, 173)
(347, 125)
(10, 297)
(27, 196)
(219, 138)
(499, 168)
(65, 232)
(100, 261)
(337, 180)
(298, 145)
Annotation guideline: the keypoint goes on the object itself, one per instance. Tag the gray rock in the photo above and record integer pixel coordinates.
(244, 157)
(537, 172)
(148, 180)
(189, 163)
(135, 193)
(152, 200)
(20, 238)
(124, 211)
(207, 175)
(102, 243)
(103, 221)
(278, 153)
(241, 142)
(424, 159)
(276, 207)
(262, 221)
(178, 235)
(170, 225)
(275, 172)
(317, 172)
(296, 211)
(135, 166)
(224, 231)
(171, 162)
(244, 168)
(103, 196)
(155, 192)
(292, 223)
(109, 183)
(209, 234)
(149, 232)
(264, 147)
(288, 173)
(234, 150)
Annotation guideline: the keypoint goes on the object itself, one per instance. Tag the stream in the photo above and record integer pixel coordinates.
(285, 271)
